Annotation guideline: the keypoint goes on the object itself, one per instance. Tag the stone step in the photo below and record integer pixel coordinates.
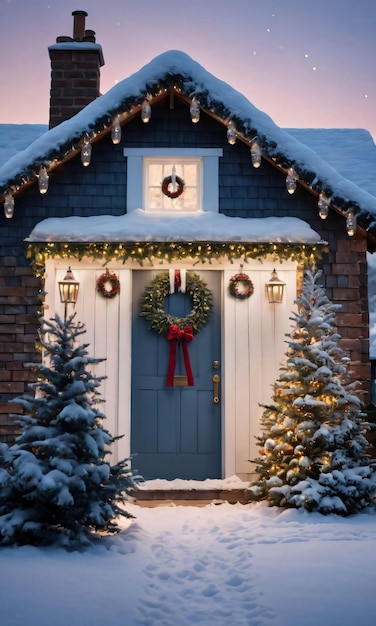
(191, 497)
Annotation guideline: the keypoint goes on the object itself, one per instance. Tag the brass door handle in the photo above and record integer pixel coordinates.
(216, 379)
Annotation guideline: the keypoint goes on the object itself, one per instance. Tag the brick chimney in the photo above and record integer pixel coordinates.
(75, 71)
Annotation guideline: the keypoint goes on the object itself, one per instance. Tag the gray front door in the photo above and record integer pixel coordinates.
(175, 431)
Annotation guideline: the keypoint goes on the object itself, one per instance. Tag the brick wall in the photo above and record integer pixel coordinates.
(18, 330)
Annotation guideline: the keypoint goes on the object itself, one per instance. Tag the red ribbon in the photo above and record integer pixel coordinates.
(177, 279)
(175, 334)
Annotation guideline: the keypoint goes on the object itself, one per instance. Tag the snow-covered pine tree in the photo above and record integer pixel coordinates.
(55, 482)
(312, 447)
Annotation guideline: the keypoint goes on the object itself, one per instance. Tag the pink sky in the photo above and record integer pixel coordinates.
(307, 63)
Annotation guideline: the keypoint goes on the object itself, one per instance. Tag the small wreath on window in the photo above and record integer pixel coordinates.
(240, 286)
(166, 187)
(108, 284)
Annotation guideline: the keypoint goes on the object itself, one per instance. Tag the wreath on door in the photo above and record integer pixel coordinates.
(177, 329)
(158, 290)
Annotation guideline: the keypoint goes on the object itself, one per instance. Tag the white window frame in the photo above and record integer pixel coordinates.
(209, 174)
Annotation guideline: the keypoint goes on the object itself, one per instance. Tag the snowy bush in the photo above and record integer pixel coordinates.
(313, 439)
(55, 482)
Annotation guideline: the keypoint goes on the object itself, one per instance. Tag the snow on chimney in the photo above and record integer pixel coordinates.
(75, 71)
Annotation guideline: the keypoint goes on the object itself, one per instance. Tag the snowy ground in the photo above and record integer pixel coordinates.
(219, 564)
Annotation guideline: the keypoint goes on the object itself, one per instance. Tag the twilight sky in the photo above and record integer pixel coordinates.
(307, 63)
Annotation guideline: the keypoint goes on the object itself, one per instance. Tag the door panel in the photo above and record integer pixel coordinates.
(175, 431)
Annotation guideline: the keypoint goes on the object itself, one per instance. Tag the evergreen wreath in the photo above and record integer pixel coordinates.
(102, 282)
(167, 182)
(247, 287)
(156, 292)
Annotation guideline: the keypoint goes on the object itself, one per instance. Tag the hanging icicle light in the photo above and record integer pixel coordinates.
(194, 110)
(86, 152)
(350, 223)
(8, 205)
(255, 154)
(116, 131)
(291, 179)
(43, 180)
(231, 133)
(145, 112)
(323, 206)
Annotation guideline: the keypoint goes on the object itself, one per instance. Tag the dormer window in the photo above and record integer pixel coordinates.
(173, 184)
(171, 181)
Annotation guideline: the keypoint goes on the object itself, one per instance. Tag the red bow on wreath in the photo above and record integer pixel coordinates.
(175, 334)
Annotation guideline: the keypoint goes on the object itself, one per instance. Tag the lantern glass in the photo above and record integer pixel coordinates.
(275, 289)
(68, 288)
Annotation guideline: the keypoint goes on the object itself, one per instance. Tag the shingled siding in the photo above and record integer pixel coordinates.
(101, 189)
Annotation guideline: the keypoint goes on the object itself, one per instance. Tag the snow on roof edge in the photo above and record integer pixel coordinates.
(142, 226)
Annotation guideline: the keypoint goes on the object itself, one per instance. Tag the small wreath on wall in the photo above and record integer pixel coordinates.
(167, 181)
(153, 299)
(108, 284)
(240, 286)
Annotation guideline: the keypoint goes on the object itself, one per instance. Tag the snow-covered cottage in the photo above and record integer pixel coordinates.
(173, 184)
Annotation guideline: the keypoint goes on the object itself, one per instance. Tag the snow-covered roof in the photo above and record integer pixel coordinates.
(176, 69)
(351, 151)
(142, 226)
(16, 137)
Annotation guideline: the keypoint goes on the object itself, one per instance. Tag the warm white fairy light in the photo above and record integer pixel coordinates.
(323, 206)
(350, 223)
(231, 133)
(116, 131)
(8, 205)
(86, 152)
(291, 179)
(194, 110)
(43, 180)
(145, 112)
(256, 154)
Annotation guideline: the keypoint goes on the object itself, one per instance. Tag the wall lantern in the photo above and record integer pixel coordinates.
(68, 289)
(275, 288)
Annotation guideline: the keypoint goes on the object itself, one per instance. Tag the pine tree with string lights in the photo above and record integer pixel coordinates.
(313, 446)
(56, 485)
